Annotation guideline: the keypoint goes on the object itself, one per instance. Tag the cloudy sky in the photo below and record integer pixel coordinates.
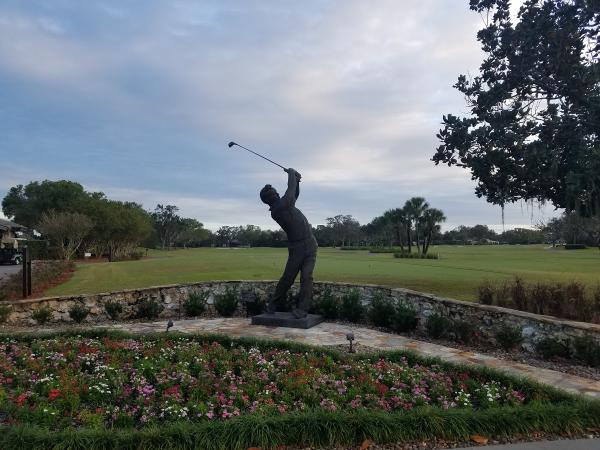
(139, 98)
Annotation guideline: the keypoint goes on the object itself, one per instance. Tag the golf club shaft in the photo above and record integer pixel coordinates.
(263, 157)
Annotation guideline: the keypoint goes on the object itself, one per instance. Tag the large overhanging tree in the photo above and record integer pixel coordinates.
(534, 123)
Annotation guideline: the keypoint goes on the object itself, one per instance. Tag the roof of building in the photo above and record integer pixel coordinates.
(8, 225)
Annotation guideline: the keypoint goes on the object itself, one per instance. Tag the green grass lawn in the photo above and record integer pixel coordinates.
(457, 274)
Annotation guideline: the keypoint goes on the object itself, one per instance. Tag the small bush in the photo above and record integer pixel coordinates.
(587, 350)
(575, 247)
(405, 318)
(577, 306)
(4, 313)
(540, 296)
(42, 315)
(113, 309)
(227, 302)
(78, 312)
(438, 326)
(328, 305)
(148, 308)
(519, 294)
(352, 308)
(407, 255)
(502, 296)
(195, 304)
(509, 336)
(485, 293)
(255, 305)
(463, 331)
(382, 310)
(550, 348)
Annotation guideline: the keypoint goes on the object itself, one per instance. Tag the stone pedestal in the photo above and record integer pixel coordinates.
(287, 319)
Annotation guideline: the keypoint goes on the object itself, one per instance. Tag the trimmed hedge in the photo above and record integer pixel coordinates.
(554, 411)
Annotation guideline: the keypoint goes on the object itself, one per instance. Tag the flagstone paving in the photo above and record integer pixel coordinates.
(334, 334)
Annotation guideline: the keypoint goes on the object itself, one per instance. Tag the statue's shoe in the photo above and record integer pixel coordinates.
(299, 314)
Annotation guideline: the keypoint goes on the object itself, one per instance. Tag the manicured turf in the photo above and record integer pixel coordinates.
(457, 274)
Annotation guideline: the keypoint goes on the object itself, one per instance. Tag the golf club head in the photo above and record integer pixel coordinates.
(231, 144)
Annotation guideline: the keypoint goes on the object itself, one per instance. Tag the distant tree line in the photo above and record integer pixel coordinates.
(75, 221)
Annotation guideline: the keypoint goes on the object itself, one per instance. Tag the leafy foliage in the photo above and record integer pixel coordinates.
(405, 318)
(352, 308)
(550, 348)
(226, 303)
(509, 336)
(42, 314)
(438, 325)
(535, 107)
(4, 313)
(113, 308)
(328, 305)
(382, 310)
(195, 304)
(78, 312)
(148, 308)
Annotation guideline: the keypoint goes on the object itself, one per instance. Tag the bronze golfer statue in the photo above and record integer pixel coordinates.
(302, 245)
(302, 253)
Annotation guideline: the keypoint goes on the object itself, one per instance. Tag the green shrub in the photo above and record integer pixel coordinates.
(4, 313)
(78, 312)
(328, 305)
(463, 331)
(519, 294)
(382, 310)
(113, 309)
(407, 255)
(587, 350)
(550, 348)
(575, 246)
(148, 308)
(485, 293)
(437, 325)
(227, 302)
(405, 318)
(578, 305)
(195, 304)
(42, 315)
(352, 308)
(539, 297)
(255, 305)
(509, 336)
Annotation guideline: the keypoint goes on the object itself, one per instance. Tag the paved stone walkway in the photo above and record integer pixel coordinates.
(335, 334)
(579, 444)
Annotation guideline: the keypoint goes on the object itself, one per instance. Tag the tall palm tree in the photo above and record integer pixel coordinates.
(414, 208)
(432, 218)
(398, 219)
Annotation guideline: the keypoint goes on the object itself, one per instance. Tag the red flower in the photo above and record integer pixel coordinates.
(382, 388)
(54, 394)
(21, 399)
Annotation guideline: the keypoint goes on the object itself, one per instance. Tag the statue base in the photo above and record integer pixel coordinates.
(287, 320)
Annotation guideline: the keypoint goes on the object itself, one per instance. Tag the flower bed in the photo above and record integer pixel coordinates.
(105, 381)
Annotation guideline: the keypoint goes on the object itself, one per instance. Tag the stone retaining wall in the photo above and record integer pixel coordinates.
(486, 318)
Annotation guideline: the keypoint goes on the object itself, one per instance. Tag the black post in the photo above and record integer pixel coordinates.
(29, 282)
(25, 273)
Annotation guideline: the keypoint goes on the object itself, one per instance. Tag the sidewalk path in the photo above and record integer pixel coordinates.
(335, 334)
(579, 444)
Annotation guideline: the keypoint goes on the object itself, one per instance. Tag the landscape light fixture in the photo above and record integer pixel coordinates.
(350, 338)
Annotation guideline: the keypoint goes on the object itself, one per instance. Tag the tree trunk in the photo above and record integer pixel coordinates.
(408, 230)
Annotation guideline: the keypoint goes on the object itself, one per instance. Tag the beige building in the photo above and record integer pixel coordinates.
(8, 233)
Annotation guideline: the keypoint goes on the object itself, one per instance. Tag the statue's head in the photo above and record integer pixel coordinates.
(269, 195)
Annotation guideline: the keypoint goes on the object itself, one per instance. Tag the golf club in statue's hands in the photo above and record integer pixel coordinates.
(231, 144)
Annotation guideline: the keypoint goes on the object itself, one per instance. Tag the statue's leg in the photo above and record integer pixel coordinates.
(292, 268)
(306, 283)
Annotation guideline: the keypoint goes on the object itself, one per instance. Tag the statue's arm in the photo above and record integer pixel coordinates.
(293, 189)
